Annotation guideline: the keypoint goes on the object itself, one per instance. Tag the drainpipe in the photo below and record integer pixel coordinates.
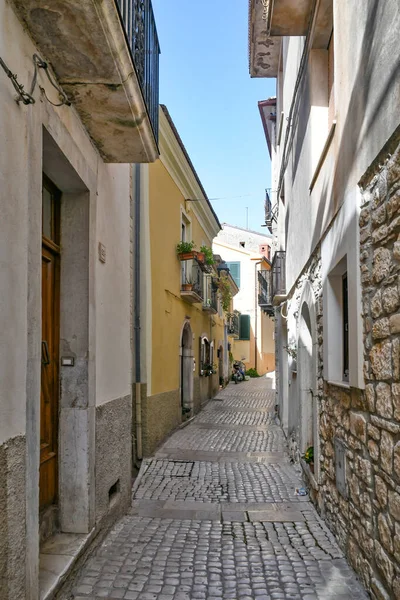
(256, 312)
(138, 394)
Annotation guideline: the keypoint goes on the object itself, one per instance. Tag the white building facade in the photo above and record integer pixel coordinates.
(66, 278)
(333, 135)
(246, 254)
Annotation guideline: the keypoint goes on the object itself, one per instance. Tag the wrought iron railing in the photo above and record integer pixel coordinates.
(192, 278)
(279, 274)
(141, 32)
(210, 295)
(264, 288)
(233, 324)
(270, 213)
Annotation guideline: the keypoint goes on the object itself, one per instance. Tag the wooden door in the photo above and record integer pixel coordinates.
(48, 480)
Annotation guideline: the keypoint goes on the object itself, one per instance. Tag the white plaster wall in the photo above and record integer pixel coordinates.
(367, 97)
(21, 165)
(20, 180)
(253, 240)
(367, 91)
(244, 301)
(113, 353)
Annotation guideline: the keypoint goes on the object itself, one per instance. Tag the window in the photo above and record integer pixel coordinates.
(185, 237)
(234, 268)
(244, 327)
(345, 302)
(205, 352)
(336, 325)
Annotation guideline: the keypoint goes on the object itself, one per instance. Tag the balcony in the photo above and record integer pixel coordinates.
(271, 20)
(270, 213)
(279, 277)
(265, 292)
(234, 324)
(210, 304)
(105, 56)
(192, 282)
(292, 18)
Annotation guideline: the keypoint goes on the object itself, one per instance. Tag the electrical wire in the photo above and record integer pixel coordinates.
(23, 96)
(27, 97)
(41, 64)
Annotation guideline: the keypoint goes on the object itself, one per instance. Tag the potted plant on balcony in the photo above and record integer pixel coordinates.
(185, 251)
(208, 255)
(225, 292)
(187, 286)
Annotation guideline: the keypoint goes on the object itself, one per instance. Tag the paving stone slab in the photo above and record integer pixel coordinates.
(275, 516)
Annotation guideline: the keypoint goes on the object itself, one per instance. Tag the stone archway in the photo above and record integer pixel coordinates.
(186, 370)
(221, 378)
(307, 356)
(305, 370)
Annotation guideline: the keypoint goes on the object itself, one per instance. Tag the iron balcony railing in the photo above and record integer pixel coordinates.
(233, 324)
(192, 278)
(279, 274)
(264, 288)
(141, 32)
(210, 295)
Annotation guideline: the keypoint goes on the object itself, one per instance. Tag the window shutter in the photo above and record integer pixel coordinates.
(244, 327)
(234, 268)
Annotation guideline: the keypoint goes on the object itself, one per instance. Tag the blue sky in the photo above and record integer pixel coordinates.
(205, 83)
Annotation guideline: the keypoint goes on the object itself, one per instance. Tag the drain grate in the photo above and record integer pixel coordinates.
(182, 468)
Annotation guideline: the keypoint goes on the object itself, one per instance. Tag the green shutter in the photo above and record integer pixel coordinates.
(234, 268)
(244, 327)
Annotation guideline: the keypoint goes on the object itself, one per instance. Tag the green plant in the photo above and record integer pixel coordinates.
(208, 253)
(252, 373)
(231, 359)
(225, 292)
(183, 247)
(309, 455)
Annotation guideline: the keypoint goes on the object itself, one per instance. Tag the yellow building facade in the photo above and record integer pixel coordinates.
(188, 356)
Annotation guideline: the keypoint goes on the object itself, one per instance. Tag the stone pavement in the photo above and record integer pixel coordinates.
(216, 517)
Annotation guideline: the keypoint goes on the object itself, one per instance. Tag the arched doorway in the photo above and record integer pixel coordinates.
(305, 370)
(186, 375)
(221, 365)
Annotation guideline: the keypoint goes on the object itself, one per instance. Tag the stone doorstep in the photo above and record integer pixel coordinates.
(56, 559)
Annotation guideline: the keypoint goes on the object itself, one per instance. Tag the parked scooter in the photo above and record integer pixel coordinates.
(239, 372)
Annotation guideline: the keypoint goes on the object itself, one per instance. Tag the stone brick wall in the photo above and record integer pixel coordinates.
(366, 519)
(378, 428)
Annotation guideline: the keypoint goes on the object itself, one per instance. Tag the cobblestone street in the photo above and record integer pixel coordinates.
(215, 516)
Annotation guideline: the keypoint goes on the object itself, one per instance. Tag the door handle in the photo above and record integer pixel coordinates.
(45, 353)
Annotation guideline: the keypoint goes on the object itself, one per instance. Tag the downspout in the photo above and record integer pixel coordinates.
(256, 312)
(138, 394)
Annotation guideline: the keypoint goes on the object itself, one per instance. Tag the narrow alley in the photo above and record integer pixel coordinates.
(215, 515)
